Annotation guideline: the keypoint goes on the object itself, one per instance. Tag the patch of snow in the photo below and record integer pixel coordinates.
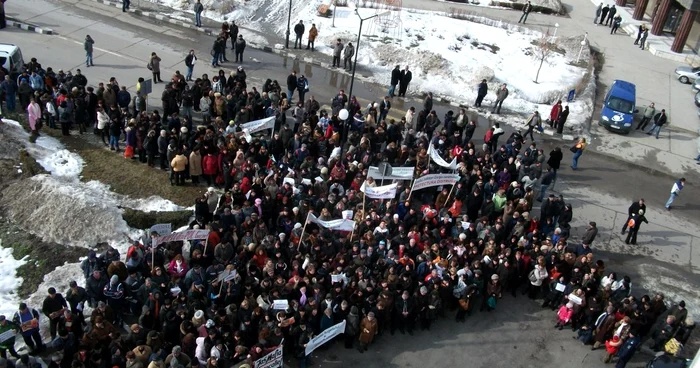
(449, 56)
(9, 281)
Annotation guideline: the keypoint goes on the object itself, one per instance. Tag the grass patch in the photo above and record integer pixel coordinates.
(29, 165)
(124, 176)
(144, 220)
(24, 244)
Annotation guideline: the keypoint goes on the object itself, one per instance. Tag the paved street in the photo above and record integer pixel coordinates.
(519, 332)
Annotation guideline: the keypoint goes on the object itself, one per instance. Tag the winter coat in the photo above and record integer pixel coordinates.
(565, 314)
(209, 165)
(240, 45)
(352, 327)
(87, 45)
(395, 76)
(179, 163)
(660, 119)
(483, 89)
(313, 33)
(502, 94)
(540, 275)
(349, 51)
(155, 64)
(299, 29)
(198, 8)
(195, 164)
(34, 111)
(368, 329)
(337, 49)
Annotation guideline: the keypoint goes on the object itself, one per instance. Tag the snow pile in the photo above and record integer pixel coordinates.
(71, 213)
(9, 281)
(62, 163)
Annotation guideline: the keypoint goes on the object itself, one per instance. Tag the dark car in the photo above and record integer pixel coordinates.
(668, 361)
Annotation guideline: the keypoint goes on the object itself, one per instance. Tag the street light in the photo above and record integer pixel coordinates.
(556, 26)
(289, 24)
(583, 43)
(357, 52)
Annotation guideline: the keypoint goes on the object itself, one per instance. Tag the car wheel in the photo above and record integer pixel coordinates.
(684, 79)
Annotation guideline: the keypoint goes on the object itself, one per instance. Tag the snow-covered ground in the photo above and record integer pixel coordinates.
(9, 281)
(91, 209)
(447, 56)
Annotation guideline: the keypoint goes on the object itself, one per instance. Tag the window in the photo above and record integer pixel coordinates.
(620, 105)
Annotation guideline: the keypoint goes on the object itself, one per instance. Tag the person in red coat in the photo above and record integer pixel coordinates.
(554, 114)
(209, 167)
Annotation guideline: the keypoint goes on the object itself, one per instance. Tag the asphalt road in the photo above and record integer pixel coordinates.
(518, 334)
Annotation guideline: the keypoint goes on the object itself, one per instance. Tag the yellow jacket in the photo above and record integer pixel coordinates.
(179, 163)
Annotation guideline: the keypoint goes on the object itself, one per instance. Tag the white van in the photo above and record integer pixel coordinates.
(11, 58)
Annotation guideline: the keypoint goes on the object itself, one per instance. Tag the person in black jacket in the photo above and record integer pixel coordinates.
(291, 85)
(633, 210)
(299, 31)
(554, 162)
(53, 307)
(405, 79)
(634, 222)
(481, 93)
(395, 78)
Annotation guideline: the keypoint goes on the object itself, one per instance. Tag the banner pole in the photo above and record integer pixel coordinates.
(301, 237)
(411, 192)
(364, 199)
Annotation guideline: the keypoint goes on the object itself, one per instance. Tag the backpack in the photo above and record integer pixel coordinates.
(532, 277)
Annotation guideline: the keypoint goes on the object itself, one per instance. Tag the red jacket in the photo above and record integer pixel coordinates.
(209, 164)
(554, 114)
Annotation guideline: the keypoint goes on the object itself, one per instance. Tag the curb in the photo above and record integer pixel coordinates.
(157, 16)
(29, 27)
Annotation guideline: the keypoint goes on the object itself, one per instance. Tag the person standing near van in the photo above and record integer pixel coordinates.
(659, 121)
(87, 45)
(578, 149)
(10, 88)
(675, 192)
(649, 113)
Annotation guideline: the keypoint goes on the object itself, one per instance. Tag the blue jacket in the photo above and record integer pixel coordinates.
(36, 82)
(123, 98)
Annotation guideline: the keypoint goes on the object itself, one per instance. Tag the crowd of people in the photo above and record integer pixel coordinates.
(412, 259)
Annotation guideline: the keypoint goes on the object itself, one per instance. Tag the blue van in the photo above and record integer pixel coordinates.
(619, 107)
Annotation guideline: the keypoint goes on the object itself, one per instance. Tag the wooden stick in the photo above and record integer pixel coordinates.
(364, 199)
(221, 287)
(153, 258)
(411, 192)
(206, 244)
(301, 237)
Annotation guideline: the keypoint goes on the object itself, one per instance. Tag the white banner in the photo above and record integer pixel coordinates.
(397, 173)
(338, 225)
(280, 304)
(347, 214)
(182, 236)
(272, 360)
(435, 156)
(258, 125)
(162, 229)
(324, 337)
(434, 180)
(385, 192)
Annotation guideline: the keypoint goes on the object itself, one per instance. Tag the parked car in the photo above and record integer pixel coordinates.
(686, 74)
(696, 86)
(697, 99)
(11, 58)
(619, 107)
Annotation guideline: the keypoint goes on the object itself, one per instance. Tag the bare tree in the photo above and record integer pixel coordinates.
(543, 50)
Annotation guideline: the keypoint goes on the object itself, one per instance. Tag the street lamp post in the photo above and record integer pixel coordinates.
(583, 43)
(354, 64)
(554, 37)
(289, 24)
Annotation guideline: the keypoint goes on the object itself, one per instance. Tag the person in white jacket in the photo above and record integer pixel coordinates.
(52, 114)
(102, 124)
(200, 353)
(537, 277)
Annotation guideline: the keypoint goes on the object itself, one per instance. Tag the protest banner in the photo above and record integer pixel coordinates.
(271, 360)
(397, 173)
(435, 156)
(324, 337)
(7, 335)
(162, 229)
(385, 192)
(182, 236)
(337, 225)
(348, 214)
(434, 180)
(280, 304)
(258, 125)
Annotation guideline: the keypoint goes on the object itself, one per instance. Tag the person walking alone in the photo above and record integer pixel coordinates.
(675, 192)
(240, 47)
(154, 67)
(526, 11)
(578, 149)
(125, 5)
(190, 60)
(533, 123)
(299, 32)
(198, 9)
(348, 53)
(313, 33)
(87, 45)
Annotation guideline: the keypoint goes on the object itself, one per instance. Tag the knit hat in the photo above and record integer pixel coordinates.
(494, 277)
